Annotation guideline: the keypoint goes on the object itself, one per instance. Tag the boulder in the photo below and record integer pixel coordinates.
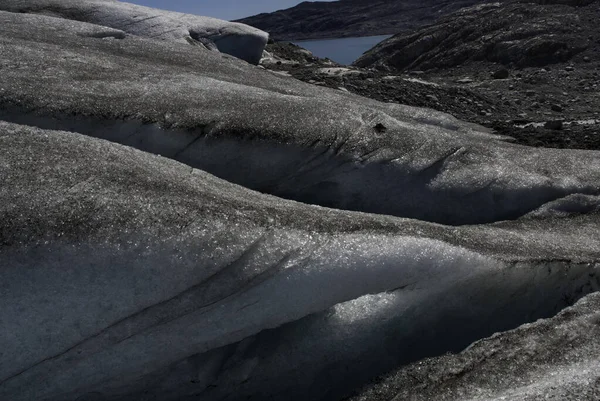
(502, 73)
(554, 125)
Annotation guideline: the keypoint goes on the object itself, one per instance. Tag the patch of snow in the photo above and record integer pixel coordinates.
(337, 71)
(567, 206)
(420, 81)
(281, 73)
(574, 122)
(100, 304)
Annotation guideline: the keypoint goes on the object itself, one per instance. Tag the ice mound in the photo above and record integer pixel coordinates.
(125, 273)
(239, 40)
(273, 134)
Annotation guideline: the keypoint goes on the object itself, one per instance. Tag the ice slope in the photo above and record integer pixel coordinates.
(274, 134)
(127, 274)
(553, 359)
(239, 40)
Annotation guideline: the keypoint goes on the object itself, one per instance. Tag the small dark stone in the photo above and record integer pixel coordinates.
(380, 127)
(554, 125)
(501, 74)
(556, 107)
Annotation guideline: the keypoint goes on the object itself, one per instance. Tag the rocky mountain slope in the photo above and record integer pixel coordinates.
(514, 34)
(343, 18)
(539, 58)
(543, 93)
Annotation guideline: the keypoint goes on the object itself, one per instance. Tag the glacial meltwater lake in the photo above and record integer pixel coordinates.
(343, 51)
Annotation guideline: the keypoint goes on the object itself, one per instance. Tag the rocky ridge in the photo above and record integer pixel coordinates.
(319, 20)
(539, 59)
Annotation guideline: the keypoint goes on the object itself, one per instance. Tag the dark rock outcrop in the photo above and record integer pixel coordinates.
(517, 106)
(317, 20)
(515, 34)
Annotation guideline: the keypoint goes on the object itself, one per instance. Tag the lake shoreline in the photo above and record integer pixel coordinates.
(341, 50)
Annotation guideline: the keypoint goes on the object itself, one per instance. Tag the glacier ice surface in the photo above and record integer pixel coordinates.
(274, 134)
(117, 265)
(239, 40)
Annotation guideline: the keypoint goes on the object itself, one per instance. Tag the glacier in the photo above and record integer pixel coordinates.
(239, 40)
(555, 358)
(180, 224)
(117, 264)
(275, 134)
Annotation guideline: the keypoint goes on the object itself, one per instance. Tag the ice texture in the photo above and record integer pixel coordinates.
(274, 134)
(239, 40)
(553, 359)
(129, 271)
(117, 265)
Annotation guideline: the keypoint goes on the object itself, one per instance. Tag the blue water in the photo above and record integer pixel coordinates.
(343, 51)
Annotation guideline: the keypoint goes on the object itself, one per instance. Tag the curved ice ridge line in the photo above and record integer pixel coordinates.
(319, 174)
(344, 268)
(355, 325)
(352, 333)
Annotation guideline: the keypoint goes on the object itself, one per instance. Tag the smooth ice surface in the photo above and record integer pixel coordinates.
(274, 134)
(116, 264)
(233, 38)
